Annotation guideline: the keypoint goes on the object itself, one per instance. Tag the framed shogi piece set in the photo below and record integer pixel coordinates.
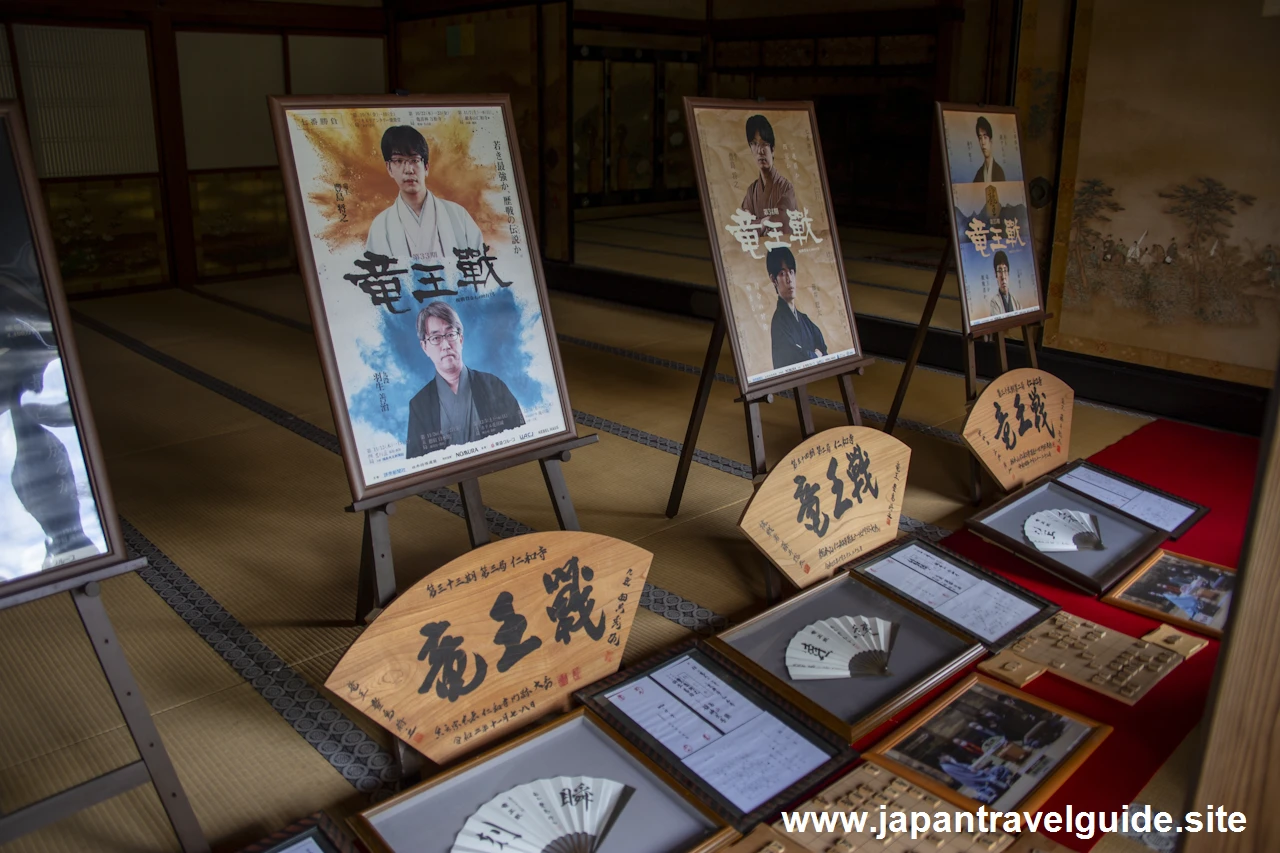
(865, 789)
(571, 764)
(1110, 662)
(739, 748)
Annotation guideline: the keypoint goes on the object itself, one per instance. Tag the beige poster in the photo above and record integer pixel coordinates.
(765, 201)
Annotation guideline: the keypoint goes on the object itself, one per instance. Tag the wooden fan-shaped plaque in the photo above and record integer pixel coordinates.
(1020, 426)
(495, 639)
(833, 498)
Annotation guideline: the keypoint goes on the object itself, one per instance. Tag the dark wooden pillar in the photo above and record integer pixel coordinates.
(174, 180)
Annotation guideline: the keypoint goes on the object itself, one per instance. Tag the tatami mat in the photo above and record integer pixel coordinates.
(889, 274)
(245, 770)
(251, 509)
(45, 646)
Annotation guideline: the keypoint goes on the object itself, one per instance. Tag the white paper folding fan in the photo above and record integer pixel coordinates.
(564, 814)
(1062, 530)
(841, 647)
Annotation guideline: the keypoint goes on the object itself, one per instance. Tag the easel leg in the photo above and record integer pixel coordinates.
(137, 718)
(553, 474)
(473, 506)
(1030, 341)
(772, 582)
(850, 399)
(804, 411)
(971, 394)
(412, 763)
(755, 438)
(922, 331)
(970, 372)
(1001, 352)
(377, 583)
(705, 381)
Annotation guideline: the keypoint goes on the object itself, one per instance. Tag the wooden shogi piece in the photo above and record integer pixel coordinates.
(1034, 842)
(1108, 661)
(869, 786)
(763, 839)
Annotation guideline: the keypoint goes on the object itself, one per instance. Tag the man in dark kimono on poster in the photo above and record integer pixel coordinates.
(796, 338)
(459, 405)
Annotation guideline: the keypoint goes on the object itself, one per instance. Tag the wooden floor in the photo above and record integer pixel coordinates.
(219, 445)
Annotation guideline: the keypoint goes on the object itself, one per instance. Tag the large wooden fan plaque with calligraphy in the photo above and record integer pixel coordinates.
(835, 497)
(495, 639)
(1020, 426)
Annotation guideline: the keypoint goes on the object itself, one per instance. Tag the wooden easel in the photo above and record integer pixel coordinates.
(377, 580)
(1027, 322)
(153, 765)
(751, 404)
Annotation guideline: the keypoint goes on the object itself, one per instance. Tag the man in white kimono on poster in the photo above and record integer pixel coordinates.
(420, 225)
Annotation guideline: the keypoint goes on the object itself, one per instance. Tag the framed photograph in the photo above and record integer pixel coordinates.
(1087, 543)
(1160, 509)
(1183, 591)
(989, 220)
(743, 752)
(916, 653)
(314, 834)
(765, 200)
(991, 609)
(59, 519)
(541, 785)
(422, 270)
(986, 744)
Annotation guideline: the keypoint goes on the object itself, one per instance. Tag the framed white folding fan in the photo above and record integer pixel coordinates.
(573, 785)
(1062, 530)
(841, 647)
(563, 814)
(1075, 536)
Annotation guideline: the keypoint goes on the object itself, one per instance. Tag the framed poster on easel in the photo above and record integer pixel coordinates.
(988, 243)
(428, 301)
(989, 224)
(784, 301)
(58, 526)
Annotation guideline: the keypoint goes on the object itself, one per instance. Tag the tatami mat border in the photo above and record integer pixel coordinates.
(720, 463)
(667, 604)
(834, 405)
(730, 466)
(699, 235)
(359, 758)
(704, 259)
(868, 414)
(453, 503)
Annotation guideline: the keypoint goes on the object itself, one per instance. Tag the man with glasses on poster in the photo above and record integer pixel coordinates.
(460, 405)
(1004, 302)
(419, 225)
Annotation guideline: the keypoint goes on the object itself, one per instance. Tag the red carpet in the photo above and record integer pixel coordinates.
(1212, 468)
